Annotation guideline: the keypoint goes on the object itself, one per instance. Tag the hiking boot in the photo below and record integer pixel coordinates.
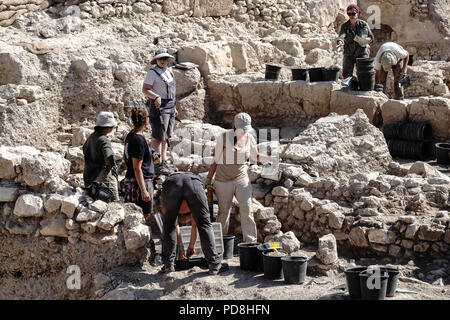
(218, 268)
(167, 269)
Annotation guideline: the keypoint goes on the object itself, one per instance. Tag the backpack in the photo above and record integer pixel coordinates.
(99, 191)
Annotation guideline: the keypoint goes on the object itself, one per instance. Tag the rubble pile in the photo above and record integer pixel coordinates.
(41, 213)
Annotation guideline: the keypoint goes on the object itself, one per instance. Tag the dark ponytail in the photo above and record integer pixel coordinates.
(138, 115)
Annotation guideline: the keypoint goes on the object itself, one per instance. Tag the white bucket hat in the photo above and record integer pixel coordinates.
(161, 53)
(106, 119)
(243, 121)
(388, 59)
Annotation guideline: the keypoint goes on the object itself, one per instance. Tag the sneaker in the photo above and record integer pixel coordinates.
(167, 269)
(218, 268)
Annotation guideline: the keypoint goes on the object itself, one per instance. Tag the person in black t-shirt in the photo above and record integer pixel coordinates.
(139, 157)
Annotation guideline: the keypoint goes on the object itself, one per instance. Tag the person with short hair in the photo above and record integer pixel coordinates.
(391, 56)
(182, 197)
(137, 186)
(355, 35)
(234, 149)
(160, 87)
(99, 161)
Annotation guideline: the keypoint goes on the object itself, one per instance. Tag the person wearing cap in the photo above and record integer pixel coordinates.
(234, 148)
(391, 56)
(160, 87)
(182, 199)
(355, 35)
(99, 161)
(137, 186)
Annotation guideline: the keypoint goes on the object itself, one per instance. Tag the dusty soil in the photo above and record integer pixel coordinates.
(145, 283)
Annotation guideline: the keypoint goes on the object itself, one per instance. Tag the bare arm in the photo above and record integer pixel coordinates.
(377, 76)
(147, 91)
(137, 167)
(405, 63)
(190, 250)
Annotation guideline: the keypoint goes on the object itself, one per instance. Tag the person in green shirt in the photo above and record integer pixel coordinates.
(99, 161)
(355, 35)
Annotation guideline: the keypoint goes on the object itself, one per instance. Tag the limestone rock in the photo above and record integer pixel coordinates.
(327, 250)
(411, 231)
(53, 203)
(289, 242)
(381, 236)
(8, 193)
(260, 191)
(69, 205)
(357, 237)
(87, 215)
(429, 233)
(137, 237)
(187, 81)
(80, 135)
(23, 228)
(76, 158)
(280, 191)
(335, 220)
(99, 206)
(112, 216)
(29, 205)
(319, 58)
(10, 157)
(265, 213)
(54, 226)
(40, 168)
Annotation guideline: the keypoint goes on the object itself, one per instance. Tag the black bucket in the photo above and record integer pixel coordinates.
(416, 131)
(299, 74)
(364, 68)
(442, 153)
(261, 250)
(228, 246)
(373, 293)
(272, 72)
(366, 81)
(315, 74)
(273, 268)
(392, 130)
(294, 269)
(392, 281)
(353, 283)
(417, 150)
(364, 61)
(248, 255)
(330, 74)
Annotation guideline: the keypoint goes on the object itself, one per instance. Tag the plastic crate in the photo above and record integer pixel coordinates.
(198, 253)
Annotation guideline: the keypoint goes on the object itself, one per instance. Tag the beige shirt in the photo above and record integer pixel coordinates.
(232, 161)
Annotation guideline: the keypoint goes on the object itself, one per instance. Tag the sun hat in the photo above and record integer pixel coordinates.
(243, 121)
(160, 53)
(354, 7)
(106, 119)
(388, 60)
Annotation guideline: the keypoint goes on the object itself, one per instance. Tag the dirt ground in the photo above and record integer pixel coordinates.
(145, 283)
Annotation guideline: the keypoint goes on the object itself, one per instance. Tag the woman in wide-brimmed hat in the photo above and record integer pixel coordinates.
(160, 87)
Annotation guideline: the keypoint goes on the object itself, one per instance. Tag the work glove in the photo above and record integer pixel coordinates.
(207, 182)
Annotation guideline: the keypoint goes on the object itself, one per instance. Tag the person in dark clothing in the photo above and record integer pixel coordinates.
(99, 161)
(137, 186)
(186, 186)
(355, 35)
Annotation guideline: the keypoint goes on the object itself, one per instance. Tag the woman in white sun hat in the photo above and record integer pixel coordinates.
(99, 161)
(160, 87)
(234, 149)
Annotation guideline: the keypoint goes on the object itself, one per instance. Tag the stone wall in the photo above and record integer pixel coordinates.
(341, 189)
(299, 103)
(48, 224)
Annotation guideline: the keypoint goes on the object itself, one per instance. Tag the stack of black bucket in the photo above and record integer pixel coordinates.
(366, 73)
(409, 140)
(315, 74)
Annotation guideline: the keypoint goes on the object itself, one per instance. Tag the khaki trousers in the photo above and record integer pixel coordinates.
(110, 181)
(241, 188)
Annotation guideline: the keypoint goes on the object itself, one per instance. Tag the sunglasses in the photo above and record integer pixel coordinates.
(163, 59)
(351, 13)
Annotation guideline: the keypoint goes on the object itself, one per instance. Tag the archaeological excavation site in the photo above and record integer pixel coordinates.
(360, 181)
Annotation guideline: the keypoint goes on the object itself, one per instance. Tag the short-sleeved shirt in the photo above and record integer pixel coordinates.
(158, 85)
(399, 52)
(137, 147)
(347, 34)
(232, 162)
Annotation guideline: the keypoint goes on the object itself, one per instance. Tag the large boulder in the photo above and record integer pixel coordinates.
(187, 81)
(29, 205)
(11, 157)
(17, 66)
(212, 8)
(44, 166)
(327, 251)
(212, 58)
